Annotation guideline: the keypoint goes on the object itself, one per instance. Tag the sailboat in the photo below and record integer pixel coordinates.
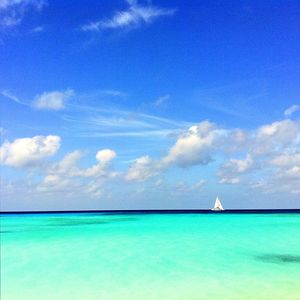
(218, 205)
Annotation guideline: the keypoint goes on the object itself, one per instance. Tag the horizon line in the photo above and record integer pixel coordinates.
(153, 211)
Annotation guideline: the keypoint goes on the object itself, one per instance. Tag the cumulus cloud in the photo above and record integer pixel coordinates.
(106, 155)
(292, 109)
(273, 149)
(54, 100)
(67, 166)
(104, 158)
(274, 137)
(268, 139)
(194, 147)
(270, 154)
(28, 151)
(282, 181)
(231, 170)
(286, 160)
(68, 175)
(237, 140)
(59, 175)
(135, 15)
(142, 168)
(286, 174)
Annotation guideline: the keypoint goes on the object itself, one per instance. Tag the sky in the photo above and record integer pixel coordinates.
(128, 104)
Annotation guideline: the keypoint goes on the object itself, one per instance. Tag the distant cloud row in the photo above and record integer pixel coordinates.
(273, 148)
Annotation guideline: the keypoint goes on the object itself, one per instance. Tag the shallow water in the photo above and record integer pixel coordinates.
(150, 256)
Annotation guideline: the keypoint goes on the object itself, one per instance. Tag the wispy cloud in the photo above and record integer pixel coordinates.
(103, 118)
(235, 99)
(114, 93)
(95, 121)
(38, 29)
(12, 12)
(48, 100)
(223, 109)
(2, 132)
(9, 95)
(135, 15)
(292, 109)
(160, 101)
(142, 134)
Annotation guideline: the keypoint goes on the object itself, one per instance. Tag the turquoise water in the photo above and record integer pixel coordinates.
(150, 256)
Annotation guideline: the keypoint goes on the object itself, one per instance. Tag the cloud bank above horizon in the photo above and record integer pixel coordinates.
(149, 104)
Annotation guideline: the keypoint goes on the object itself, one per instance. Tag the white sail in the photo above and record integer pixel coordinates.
(218, 205)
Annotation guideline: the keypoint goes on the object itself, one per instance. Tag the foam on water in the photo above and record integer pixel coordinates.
(150, 256)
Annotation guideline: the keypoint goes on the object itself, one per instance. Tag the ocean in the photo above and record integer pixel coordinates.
(182, 256)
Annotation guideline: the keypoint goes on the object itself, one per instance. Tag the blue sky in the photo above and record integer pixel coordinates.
(149, 104)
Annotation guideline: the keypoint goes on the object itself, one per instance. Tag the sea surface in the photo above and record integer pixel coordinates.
(138, 256)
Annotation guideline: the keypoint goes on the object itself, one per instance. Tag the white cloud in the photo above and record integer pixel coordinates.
(191, 148)
(142, 168)
(231, 170)
(135, 15)
(272, 149)
(12, 12)
(237, 140)
(28, 151)
(285, 176)
(105, 156)
(194, 147)
(66, 175)
(293, 173)
(292, 109)
(54, 100)
(283, 180)
(265, 149)
(267, 168)
(286, 160)
(67, 167)
(272, 138)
